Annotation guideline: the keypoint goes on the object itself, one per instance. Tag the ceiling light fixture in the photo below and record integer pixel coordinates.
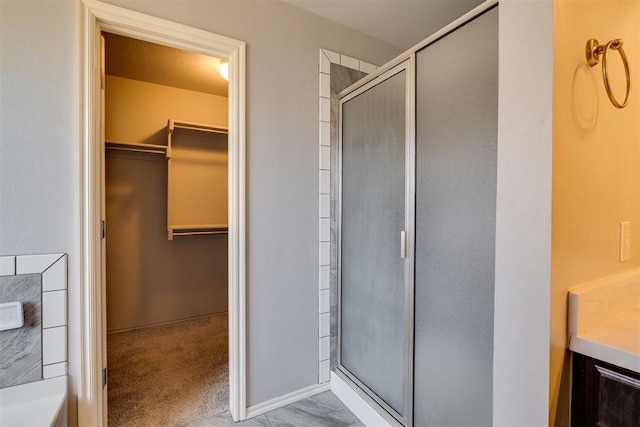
(224, 71)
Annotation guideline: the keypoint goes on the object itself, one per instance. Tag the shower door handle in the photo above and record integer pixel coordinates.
(403, 244)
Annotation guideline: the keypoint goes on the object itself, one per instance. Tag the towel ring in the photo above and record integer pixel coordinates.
(594, 50)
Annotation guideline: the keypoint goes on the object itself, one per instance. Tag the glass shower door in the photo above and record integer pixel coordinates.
(375, 298)
(456, 176)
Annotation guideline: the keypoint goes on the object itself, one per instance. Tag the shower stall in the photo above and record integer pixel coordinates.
(417, 175)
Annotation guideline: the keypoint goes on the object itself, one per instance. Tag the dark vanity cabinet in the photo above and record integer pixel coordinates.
(603, 394)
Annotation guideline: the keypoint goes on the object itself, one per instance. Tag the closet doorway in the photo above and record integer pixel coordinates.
(166, 209)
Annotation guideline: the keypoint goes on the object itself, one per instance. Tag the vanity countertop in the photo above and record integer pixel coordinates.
(615, 341)
(604, 320)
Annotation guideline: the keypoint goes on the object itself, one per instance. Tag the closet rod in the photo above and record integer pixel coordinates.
(136, 150)
(136, 147)
(197, 233)
(220, 131)
(201, 227)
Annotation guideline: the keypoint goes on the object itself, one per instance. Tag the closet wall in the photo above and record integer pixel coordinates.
(149, 278)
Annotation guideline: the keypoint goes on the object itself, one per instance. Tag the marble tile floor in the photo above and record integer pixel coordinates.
(321, 410)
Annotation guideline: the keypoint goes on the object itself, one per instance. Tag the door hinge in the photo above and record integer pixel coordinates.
(103, 229)
(104, 377)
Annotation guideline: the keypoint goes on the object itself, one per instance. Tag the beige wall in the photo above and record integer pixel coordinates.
(596, 159)
(150, 279)
(151, 105)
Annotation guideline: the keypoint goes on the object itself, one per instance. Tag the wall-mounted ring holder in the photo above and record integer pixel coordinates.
(593, 52)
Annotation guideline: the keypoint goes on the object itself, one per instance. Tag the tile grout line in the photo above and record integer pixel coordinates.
(266, 415)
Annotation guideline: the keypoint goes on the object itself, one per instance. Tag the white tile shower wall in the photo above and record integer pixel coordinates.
(34, 264)
(53, 268)
(54, 345)
(324, 325)
(327, 58)
(324, 348)
(54, 309)
(54, 370)
(323, 303)
(325, 230)
(324, 277)
(325, 134)
(324, 371)
(347, 61)
(324, 253)
(325, 206)
(7, 265)
(324, 157)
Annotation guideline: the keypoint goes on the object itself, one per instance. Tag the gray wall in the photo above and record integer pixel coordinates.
(39, 161)
(39, 142)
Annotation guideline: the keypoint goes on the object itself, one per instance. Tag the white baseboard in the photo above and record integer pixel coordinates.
(356, 404)
(279, 402)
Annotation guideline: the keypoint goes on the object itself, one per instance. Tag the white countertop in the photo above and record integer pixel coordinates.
(615, 341)
(37, 404)
(604, 320)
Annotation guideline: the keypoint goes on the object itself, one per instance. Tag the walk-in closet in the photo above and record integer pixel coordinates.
(165, 190)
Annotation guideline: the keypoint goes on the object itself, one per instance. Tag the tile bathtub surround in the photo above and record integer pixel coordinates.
(47, 278)
(336, 72)
(21, 348)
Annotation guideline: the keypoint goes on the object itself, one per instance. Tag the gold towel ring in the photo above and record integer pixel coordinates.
(594, 50)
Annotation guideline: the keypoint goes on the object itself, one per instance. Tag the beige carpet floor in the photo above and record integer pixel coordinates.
(171, 375)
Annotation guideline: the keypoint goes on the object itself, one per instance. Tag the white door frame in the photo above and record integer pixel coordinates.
(97, 16)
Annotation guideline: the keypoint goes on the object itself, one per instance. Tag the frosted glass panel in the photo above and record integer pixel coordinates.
(456, 148)
(373, 215)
